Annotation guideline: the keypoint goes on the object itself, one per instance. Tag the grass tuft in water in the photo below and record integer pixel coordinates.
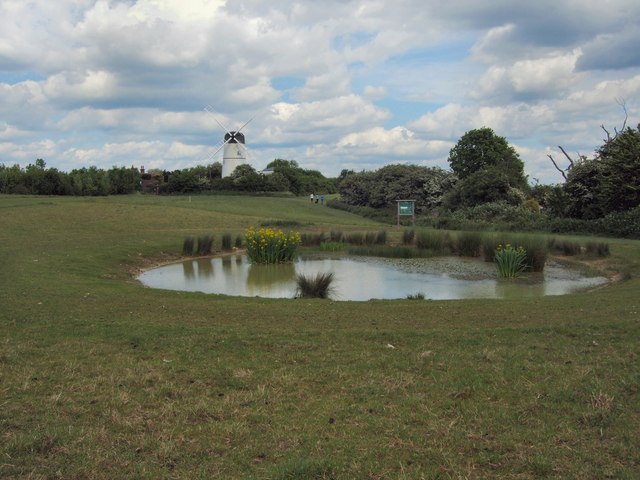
(314, 287)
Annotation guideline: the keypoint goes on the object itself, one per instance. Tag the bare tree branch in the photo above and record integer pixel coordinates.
(566, 155)
(562, 172)
(623, 103)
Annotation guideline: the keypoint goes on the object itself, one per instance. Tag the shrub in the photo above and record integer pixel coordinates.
(381, 237)
(205, 244)
(188, 246)
(314, 287)
(226, 241)
(271, 246)
(510, 261)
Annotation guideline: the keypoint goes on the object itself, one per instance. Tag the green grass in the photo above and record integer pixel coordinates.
(103, 378)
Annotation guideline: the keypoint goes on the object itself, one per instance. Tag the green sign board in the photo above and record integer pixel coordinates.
(405, 207)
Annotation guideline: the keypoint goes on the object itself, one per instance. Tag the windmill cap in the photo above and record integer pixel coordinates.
(234, 137)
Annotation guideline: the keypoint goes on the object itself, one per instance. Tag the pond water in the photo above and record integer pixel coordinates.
(365, 278)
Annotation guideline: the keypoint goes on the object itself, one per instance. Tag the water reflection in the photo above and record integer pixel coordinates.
(263, 278)
(364, 278)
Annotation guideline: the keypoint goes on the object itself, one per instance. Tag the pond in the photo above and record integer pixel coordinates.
(365, 278)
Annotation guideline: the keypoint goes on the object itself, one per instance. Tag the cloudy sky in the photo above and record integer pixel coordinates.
(335, 84)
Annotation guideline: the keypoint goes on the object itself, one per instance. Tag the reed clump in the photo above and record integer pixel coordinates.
(188, 246)
(226, 241)
(318, 286)
(205, 244)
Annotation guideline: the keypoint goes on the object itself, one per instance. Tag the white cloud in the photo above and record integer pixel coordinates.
(541, 77)
(367, 82)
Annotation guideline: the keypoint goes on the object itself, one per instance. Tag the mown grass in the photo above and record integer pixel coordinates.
(103, 378)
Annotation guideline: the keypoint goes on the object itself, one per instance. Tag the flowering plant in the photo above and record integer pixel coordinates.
(271, 246)
(510, 261)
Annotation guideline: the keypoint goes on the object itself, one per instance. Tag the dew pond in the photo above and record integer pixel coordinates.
(365, 278)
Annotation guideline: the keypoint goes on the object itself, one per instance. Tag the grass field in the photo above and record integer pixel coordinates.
(103, 378)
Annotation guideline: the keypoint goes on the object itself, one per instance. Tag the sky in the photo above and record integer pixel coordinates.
(333, 85)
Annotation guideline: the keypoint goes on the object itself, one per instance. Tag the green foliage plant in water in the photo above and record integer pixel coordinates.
(510, 261)
(270, 246)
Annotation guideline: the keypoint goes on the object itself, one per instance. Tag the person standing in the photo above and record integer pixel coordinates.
(311, 197)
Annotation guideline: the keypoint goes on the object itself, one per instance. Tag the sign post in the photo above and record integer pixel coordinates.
(407, 207)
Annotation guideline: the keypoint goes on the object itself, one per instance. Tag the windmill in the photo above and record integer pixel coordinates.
(235, 151)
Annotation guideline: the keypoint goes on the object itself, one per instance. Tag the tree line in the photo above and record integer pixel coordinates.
(284, 176)
(486, 170)
(37, 179)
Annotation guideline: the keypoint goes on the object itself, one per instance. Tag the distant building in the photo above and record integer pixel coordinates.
(149, 183)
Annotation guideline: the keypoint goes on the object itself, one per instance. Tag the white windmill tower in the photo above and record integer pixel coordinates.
(235, 151)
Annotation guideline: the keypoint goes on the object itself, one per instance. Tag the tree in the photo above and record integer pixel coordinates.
(483, 160)
(609, 182)
(482, 148)
(246, 178)
(380, 189)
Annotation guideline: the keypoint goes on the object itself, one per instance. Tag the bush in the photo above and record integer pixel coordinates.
(314, 287)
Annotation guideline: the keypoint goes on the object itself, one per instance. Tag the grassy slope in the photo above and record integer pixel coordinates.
(102, 378)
